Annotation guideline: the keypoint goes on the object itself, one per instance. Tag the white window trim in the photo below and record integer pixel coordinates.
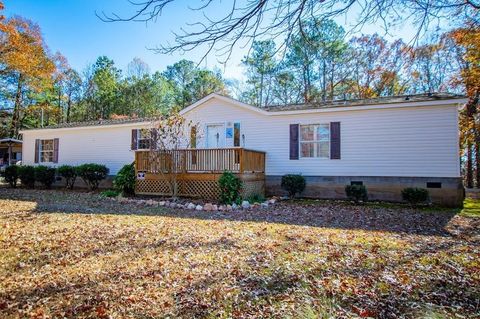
(314, 141)
(41, 151)
(139, 133)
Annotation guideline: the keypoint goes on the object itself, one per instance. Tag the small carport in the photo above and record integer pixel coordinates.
(10, 151)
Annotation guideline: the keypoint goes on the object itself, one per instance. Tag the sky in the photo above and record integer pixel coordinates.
(72, 28)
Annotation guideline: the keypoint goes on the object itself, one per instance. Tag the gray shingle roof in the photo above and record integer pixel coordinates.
(373, 101)
(98, 123)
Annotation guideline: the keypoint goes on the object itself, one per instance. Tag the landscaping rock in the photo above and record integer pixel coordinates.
(191, 206)
(208, 207)
(234, 206)
(245, 204)
(162, 203)
(222, 208)
(214, 208)
(198, 207)
(228, 208)
(264, 205)
(272, 201)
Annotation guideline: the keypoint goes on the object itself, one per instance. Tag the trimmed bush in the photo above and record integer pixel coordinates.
(69, 173)
(356, 193)
(92, 174)
(293, 184)
(255, 198)
(11, 175)
(45, 175)
(414, 195)
(109, 193)
(27, 175)
(124, 181)
(230, 187)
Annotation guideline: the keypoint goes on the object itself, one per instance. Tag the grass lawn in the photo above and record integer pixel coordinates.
(79, 255)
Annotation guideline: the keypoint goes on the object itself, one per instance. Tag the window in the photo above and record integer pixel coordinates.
(236, 134)
(144, 139)
(315, 140)
(46, 150)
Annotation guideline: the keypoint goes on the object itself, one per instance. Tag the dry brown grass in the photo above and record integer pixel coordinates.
(78, 255)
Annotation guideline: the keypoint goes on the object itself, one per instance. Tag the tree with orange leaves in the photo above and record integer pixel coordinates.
(467, 41)
(25, 64)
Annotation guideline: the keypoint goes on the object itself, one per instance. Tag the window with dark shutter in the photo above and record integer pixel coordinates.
(294, 141)
(134, 144)
(55, 150)
(335, 151)
(37, 150)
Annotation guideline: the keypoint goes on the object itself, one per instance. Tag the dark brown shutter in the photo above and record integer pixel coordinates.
(153, 138)
(134, 139)
(335, 140)
(37, 150)
(55, 150)
(294, 141)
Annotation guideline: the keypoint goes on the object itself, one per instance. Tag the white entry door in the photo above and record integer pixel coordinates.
(215, 136)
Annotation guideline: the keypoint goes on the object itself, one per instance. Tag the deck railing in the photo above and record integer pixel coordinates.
(216, 160)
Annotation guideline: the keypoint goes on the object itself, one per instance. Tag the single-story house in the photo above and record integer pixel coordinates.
(386, 143)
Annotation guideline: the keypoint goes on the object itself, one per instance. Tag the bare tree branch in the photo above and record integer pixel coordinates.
(250, 20)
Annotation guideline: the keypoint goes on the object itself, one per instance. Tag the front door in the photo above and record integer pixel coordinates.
(215, 136)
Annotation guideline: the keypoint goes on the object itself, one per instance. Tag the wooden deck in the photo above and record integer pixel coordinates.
(198, 170)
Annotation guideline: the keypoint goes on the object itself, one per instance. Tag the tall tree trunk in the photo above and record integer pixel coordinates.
(477, 160)
(69, 106)
(324, 81)
(16, 108)
(469, 168)
(260, 98)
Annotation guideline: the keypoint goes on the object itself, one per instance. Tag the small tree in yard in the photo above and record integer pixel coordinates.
(293, 184)
(27, 175)
(414, 195)
(45, 175)
(92, 174)
(230, 187)
(11, 175)
(69, 173)
(124, 181)
(168, 136)
(356, 193)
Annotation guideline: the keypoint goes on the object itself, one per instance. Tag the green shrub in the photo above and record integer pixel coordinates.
(414, 195)
(11, 175)
(356, 193)
(293, 184)
(255, 198)
(109, 193)
(27, 175)
(124, 181)
(45, 175)
(92, 174)
(69, 173)
(230, 187)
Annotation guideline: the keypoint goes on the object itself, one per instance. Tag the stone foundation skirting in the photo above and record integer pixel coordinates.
(445, 191)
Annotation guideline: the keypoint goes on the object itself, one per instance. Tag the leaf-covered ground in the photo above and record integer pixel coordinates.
(78, 255)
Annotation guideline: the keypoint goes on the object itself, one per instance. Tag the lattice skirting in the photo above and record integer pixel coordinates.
(200, 188)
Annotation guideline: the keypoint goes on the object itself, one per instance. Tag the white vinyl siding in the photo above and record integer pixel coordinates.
(109, 145)
(409, 141)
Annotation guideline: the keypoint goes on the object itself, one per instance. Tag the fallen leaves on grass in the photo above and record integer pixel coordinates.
(78, 255)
